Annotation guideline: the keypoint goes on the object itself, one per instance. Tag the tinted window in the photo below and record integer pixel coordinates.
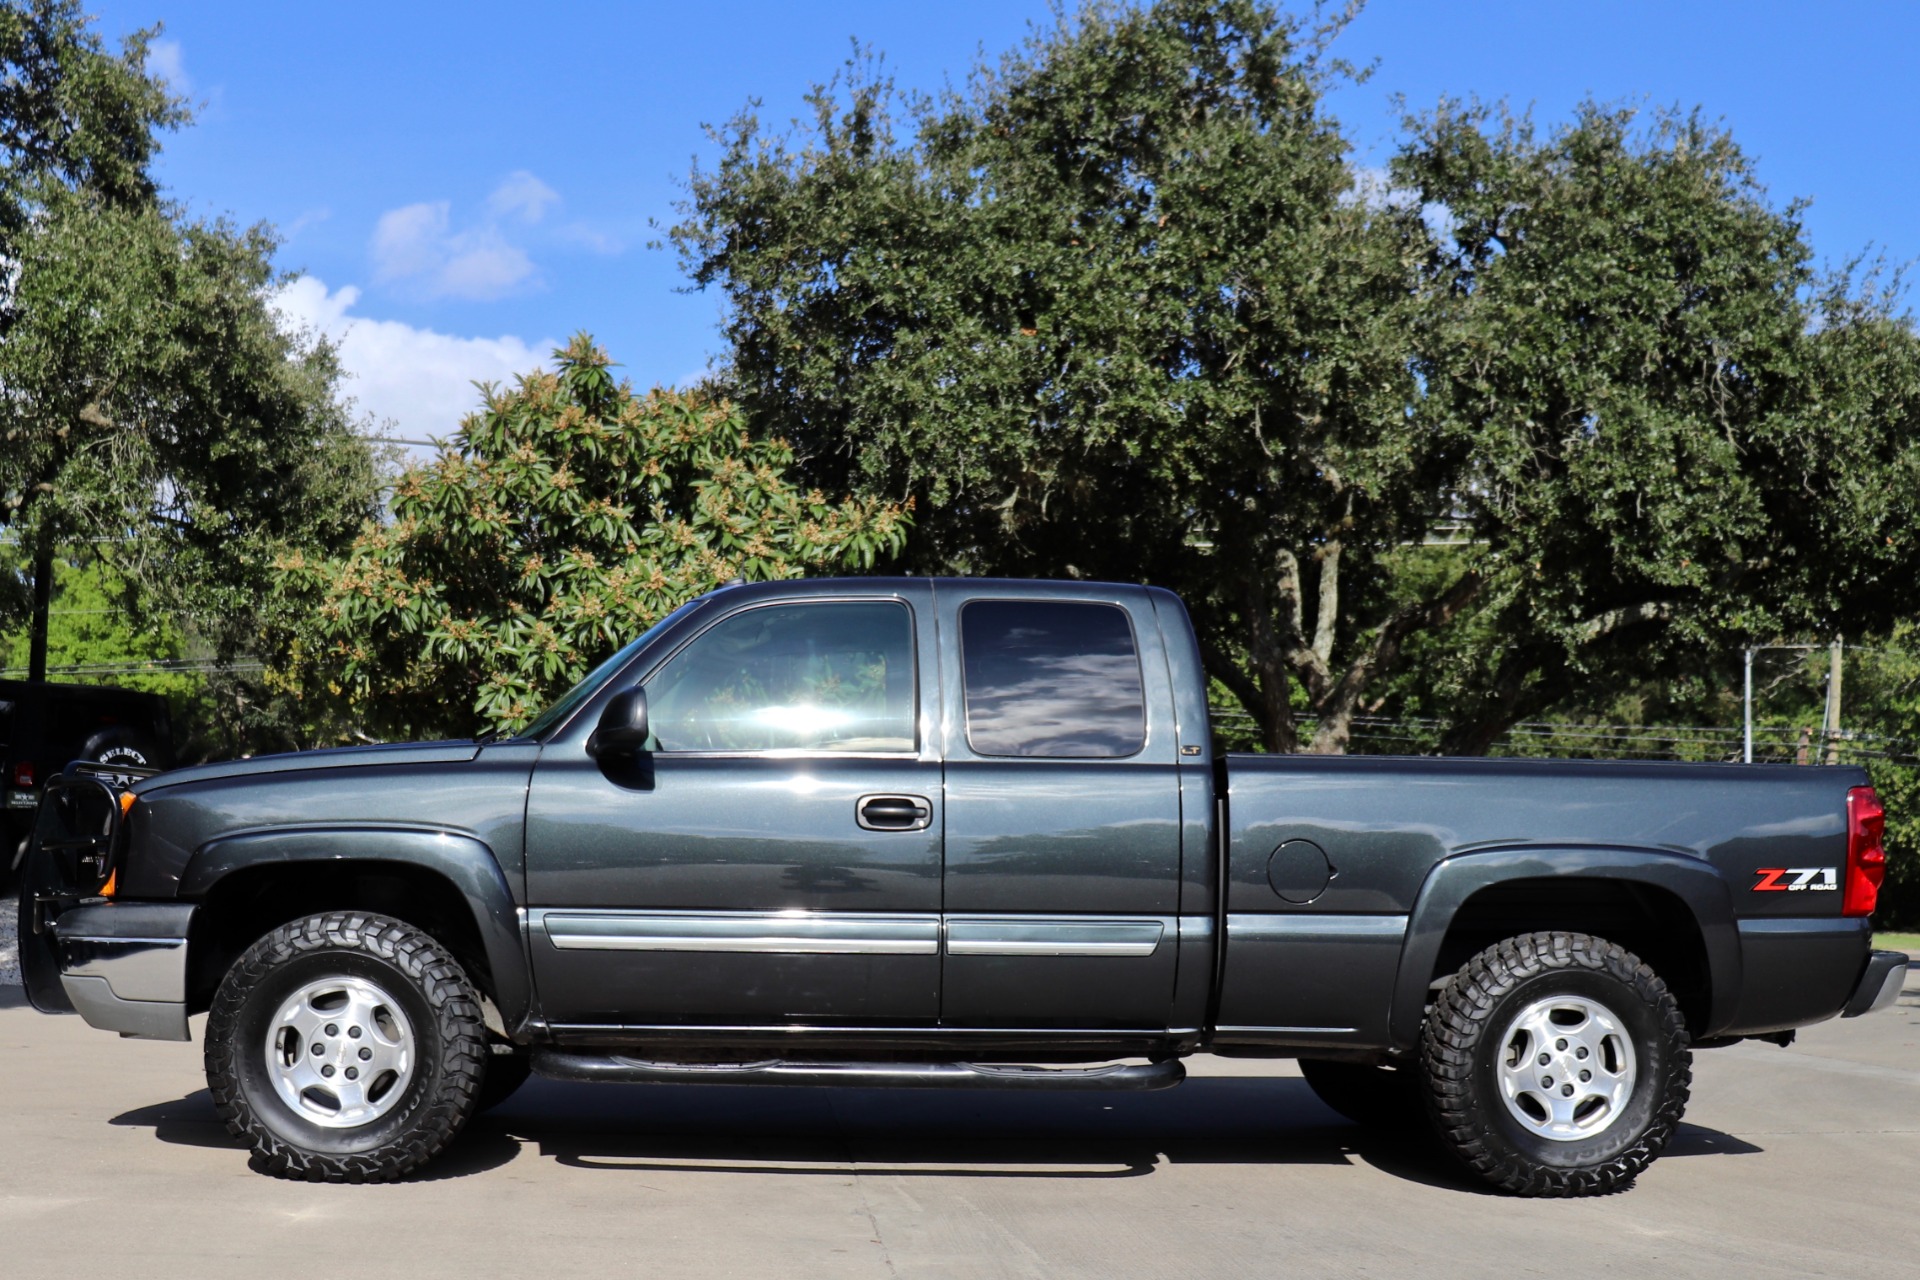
(1046, 678)
(606, 671)
(811, 677)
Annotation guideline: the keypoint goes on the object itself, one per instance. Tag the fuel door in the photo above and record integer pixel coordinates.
(1299, 871)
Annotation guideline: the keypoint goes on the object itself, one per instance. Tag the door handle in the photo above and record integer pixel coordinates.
(893, 813)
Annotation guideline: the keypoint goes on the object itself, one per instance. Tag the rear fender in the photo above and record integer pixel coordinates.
(1456, 879)
(465, 862)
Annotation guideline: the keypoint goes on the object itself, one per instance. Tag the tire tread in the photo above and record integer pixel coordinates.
(441, 982)
(1460, 1017)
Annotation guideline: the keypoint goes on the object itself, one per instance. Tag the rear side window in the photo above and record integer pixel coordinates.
(1051, 678)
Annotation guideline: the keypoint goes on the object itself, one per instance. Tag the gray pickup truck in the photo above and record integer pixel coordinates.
(954, 833)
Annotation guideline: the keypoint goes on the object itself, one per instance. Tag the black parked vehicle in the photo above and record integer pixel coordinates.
(912, 832)
(46, 726)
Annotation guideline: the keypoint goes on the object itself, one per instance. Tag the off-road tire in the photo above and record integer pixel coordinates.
(1376, 1097)
(439, 1002)
(1460, 1049)
(506, 1072)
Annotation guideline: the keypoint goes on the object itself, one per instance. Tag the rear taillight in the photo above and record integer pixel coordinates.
(1866, 852)
(23, 774)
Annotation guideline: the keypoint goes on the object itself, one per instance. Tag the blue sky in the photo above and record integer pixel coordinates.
(464, 184)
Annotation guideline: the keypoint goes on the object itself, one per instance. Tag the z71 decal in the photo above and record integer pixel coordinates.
(1796, 879)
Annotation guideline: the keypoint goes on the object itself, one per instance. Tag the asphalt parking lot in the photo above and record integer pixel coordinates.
(1794, 1162)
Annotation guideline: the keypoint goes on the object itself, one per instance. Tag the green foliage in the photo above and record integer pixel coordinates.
(77, 118)
(1882, 709)
(1115, 313)
(1675, 439)
(92, 629)
(152, 399)
(1120, 311)
(153, 412)
(567, 515)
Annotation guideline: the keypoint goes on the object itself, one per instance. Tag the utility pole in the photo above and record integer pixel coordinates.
(42, 598)
(1746, 748)
(1831, 728)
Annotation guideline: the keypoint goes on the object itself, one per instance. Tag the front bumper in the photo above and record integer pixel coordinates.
(1880, 984)
(124, 966)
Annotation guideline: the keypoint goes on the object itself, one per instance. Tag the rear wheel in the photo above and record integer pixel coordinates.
(345, 1047)
(1556, 1064)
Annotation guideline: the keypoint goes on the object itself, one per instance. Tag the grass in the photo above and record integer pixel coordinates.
(1907, 942)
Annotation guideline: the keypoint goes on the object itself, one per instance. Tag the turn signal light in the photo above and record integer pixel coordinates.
(1866, 852)
(113, 883)
(126, 802)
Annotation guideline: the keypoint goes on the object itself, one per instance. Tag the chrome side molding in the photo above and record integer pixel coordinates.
(763, 933)
(849, 933)
(1028, 936)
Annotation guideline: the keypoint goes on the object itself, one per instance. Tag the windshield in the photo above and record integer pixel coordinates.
(549, 719)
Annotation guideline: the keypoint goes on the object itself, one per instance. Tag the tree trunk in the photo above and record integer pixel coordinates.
(1527, 682)
(1272, 683)
(42, 601)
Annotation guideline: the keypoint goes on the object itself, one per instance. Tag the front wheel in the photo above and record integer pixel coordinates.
(1556, 1064)
(345, 1047)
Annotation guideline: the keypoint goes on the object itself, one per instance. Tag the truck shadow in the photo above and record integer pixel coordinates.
(917, 1133)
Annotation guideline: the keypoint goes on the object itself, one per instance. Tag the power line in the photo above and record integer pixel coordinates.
(421, 444)
(169, 667)
(1778, 742)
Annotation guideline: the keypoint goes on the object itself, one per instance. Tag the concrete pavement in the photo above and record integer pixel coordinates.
(1794, 1162)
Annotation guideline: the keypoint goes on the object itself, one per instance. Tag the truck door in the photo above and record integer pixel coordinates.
(774, 859)
(1062, 809)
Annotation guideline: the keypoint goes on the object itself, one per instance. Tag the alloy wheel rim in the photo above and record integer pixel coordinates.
(1567, 1068)
(340, 1052)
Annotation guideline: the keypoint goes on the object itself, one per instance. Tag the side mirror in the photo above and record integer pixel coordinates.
(622, 730)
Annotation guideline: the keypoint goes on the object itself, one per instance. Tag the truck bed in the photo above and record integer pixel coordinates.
(1351, 883)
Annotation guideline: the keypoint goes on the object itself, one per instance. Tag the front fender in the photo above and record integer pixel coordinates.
(1455, 879)
(462, 860)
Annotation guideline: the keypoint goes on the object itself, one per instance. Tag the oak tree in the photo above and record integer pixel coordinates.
(1121, 309)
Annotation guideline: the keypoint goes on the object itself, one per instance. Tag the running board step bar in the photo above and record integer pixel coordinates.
(598, 1068)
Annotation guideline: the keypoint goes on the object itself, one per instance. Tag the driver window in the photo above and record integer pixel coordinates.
(791, 677)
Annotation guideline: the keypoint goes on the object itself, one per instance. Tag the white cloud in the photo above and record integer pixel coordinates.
(307, 218)
(521, 195)
(165, 61)
(414, 243)
(416, 382)
(481, 264)
(593, 240)
(417, 244)
(409, 241)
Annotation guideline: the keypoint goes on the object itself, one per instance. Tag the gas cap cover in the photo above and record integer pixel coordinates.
(1299, 871)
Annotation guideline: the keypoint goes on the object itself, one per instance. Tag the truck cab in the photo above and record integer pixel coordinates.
(878, 809)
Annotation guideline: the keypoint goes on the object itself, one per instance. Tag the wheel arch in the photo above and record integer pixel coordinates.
(447, 883)
(1672, 909)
